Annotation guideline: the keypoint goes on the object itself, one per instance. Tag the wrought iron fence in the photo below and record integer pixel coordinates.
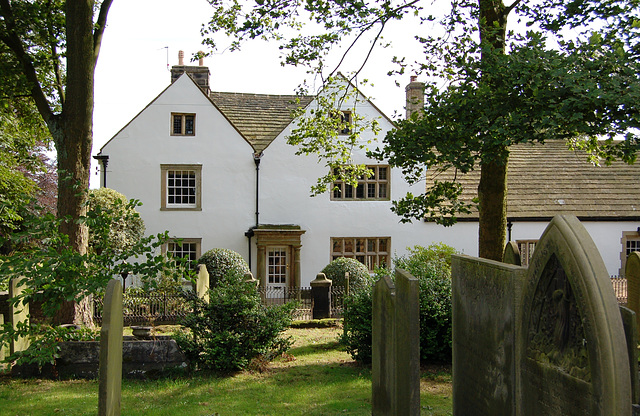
(620, 288)
(159, 308)
(162, 308)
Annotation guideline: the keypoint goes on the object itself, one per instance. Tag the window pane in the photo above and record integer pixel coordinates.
(337, 245)
(360, 191)
(348, 245)
(177, 124)
(348, 191)
(382, 190)
(361, 259)
(360, 244)
(337, 191)
(371, 244)
(382, 173)
(382, 245)
(371, 190)
(188, 124)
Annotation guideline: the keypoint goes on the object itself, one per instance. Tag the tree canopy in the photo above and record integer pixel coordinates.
(497, 75)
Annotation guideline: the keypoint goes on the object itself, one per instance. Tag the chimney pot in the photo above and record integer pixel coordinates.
(414, 78)
(181, 58)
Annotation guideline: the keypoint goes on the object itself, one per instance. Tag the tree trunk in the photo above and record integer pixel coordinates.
(73, 137)
(492, 193)
(492, 190)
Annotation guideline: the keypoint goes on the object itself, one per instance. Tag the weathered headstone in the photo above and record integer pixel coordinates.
(485, 306)
(396, 346)
(543, 340)
(511, 254)
(574, 359)
(632, 273)
(202, 284)
(4, 350)
(631, 333)
(321, 293)
(109, 390)
(19, 313)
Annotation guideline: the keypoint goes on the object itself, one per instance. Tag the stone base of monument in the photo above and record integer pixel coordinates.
(140, 359)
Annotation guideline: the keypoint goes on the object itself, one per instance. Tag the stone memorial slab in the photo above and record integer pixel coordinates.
(631, 333)
(511, 254)
(396, 346)
(485, 306)
(202, 284)
(4, 350)
(19, 313)
(632, 273)
(109, 390)
(574, 359)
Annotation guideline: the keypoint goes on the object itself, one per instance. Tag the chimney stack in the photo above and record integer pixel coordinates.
(415, 96)
(200, 58)
(200, 74)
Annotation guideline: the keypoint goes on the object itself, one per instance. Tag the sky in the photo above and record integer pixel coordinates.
(142, 41)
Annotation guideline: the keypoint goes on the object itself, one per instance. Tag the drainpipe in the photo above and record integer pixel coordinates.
(509, 226)
(104, 160)
(250, 233)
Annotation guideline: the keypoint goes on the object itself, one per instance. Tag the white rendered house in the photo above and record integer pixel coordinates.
(214, 169)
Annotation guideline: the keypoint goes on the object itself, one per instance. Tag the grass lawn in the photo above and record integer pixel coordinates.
(317, 378)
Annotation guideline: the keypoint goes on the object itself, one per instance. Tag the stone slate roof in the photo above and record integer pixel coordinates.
(259, 118)
(545, 180)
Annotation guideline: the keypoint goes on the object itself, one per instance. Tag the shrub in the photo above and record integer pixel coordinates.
(222, 261)
(432, 266)
(234, 328)
(358, 274)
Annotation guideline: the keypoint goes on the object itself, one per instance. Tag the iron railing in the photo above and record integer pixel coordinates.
(619, 284)
(162, 308)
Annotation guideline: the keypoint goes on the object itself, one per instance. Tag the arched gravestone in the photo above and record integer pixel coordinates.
(511, 254)
(573, 357)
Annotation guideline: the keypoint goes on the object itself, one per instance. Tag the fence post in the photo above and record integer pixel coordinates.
(321, 294)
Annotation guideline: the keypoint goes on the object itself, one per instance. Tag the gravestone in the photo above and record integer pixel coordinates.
(485, 305)
(109, 390)
(574, 359)
(202, 284)
(511, 254)
(18, 313)
(543, 340)
(632, 273)
(4, 350)
(396, 346)
(631, 333)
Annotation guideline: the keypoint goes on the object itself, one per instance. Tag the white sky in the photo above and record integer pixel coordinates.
(132, 66)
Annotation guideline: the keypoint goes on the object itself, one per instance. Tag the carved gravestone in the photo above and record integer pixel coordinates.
(511, 254)
(631, 333)
(109, 390)
(395, 346)
(202, 284)
(574, 359)
(632, 273)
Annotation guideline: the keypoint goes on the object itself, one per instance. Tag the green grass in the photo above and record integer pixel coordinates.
(317, 378)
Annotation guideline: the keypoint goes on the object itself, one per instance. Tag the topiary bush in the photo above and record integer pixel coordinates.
(222, 261)
(432, 266)
(358, 273)
(234, 328)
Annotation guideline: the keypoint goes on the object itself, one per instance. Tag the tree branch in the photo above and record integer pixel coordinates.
(55, 58)
(13, 42)
(100, 26)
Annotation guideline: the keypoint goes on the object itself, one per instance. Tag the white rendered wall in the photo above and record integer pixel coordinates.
(228, 170)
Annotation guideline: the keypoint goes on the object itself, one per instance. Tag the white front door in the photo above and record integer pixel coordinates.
(277, 270)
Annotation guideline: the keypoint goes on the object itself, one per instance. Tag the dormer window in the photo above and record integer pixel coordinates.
(183, 124)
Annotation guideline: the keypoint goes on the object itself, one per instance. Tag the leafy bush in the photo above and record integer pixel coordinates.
(432, 266)
(126, 227)
(222, 261)
(234, 328)
(358, 274)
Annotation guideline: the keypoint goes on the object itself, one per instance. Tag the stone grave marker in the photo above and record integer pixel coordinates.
(396, 346)
(202, 284)
(19, 313)
(109, 390)
(3, 348)
(631, 332)
(632, 273)
(484, 312)
(511, 254)
(574, 359)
